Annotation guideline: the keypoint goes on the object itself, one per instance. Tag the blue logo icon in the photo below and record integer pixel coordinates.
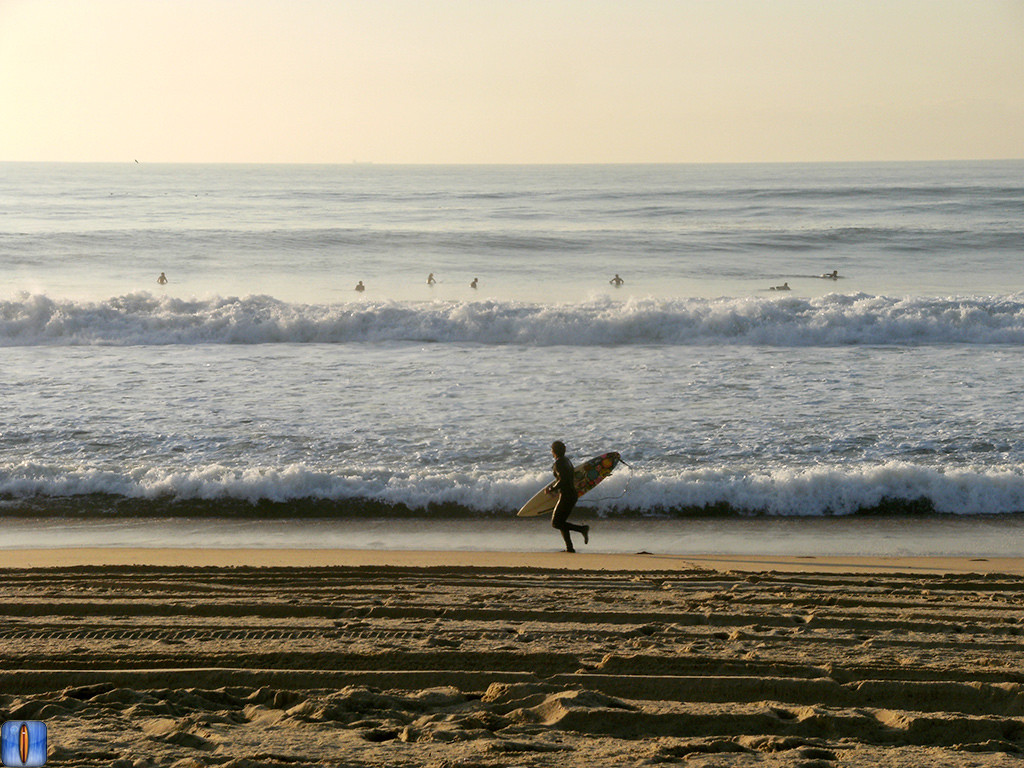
(23, 743)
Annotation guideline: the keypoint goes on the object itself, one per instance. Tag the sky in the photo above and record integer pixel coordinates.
(511, 81)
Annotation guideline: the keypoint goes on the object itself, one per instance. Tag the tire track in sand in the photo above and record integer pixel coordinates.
(400, 666)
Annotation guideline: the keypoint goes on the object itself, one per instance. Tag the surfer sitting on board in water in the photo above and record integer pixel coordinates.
(565, 486)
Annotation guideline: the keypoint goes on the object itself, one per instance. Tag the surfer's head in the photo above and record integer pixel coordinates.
(558, 448)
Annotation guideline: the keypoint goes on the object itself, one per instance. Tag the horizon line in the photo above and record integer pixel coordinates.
(568, 164)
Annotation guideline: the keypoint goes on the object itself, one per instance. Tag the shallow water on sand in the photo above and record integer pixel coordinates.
(929, 536)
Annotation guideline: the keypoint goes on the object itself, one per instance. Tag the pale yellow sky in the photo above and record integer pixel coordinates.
(511, 81)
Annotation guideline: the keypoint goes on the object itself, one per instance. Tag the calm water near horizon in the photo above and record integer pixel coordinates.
(258, 376)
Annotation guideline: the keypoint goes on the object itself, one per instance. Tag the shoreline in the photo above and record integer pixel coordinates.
(56, 558)
(777, 537)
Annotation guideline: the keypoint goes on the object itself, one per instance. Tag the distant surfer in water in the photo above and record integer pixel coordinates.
(833, 275)
(565, 486)
(783, 287)
(163, 278)
(617, 281)
(360, 287)
(473, 284)
(430, 279)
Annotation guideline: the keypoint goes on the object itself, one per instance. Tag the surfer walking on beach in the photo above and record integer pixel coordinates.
(565, 486)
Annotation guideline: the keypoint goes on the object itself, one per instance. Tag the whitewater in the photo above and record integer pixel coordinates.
(258, 384)
(834, 319)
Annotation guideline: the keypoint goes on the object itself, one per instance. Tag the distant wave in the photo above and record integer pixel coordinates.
(833, 320)
(893, 487)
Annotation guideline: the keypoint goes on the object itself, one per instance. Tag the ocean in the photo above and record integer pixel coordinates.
(257, 387)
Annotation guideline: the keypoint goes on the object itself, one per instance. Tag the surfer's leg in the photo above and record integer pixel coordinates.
(570, 506)
(558, 516)
(567, 538)
(559, 520)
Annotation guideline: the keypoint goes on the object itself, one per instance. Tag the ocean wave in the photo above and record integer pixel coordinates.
(832, 320)
(890, 487)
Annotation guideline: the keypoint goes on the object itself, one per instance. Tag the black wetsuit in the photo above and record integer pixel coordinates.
(565, 484)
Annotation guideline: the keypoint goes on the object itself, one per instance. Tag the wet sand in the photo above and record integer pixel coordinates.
(444, 659)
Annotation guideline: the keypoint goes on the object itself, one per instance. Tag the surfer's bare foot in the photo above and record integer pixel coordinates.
(586, 534)
(571, 551)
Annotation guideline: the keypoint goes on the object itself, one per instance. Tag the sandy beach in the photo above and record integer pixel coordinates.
(151, 657)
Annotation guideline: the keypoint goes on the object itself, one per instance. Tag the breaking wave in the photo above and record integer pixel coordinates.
(894, 487)
(832, 320)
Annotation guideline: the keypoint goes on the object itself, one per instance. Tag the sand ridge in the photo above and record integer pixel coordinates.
(494, 666)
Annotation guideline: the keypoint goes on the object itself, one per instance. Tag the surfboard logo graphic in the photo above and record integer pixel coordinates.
(23, 743)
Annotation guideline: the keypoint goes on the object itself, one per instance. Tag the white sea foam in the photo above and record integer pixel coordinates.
(819, 491)
(832, 320)
(639, 491)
